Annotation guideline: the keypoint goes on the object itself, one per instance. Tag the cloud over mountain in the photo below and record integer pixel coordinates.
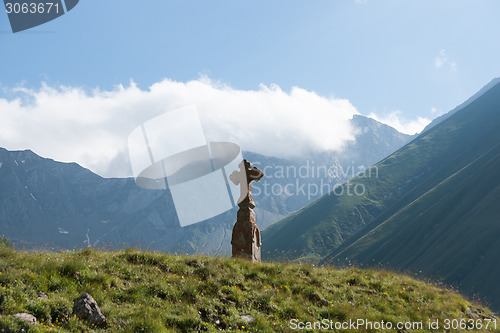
(403, 125)
(91, 127)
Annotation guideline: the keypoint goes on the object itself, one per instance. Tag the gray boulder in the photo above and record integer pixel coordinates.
(26, 317)
(86, 308)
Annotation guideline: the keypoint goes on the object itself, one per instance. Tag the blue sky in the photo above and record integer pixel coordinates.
(394, 60)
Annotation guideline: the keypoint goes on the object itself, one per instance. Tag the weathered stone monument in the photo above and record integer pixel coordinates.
(246, 234)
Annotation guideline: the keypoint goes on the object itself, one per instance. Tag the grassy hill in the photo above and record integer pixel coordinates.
(430, 207)
(151, 292)
(450, 231)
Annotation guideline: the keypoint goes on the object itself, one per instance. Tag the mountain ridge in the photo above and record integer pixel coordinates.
(471, 99)
(55, 204)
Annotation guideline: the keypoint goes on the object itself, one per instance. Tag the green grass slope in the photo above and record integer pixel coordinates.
(334, 221)
(151, 292)
(451, 231)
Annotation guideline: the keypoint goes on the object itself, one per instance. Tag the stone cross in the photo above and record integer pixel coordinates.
(246, 234)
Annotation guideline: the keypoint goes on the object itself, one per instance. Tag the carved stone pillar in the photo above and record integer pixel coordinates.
(246, 241)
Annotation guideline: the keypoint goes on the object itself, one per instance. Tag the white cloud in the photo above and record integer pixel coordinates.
(442, 60)
(394, 119)
(91, 128)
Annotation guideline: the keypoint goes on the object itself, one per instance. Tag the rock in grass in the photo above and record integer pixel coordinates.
(26, 317)
(86, 308)
(43, 296)
(247, 318)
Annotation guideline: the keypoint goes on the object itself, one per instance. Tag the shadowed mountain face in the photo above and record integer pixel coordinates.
(44, 203)
(48, 202)
(430, 208)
